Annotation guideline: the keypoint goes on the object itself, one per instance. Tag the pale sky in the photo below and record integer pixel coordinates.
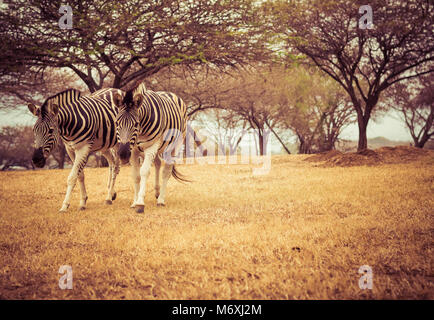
(390, 126)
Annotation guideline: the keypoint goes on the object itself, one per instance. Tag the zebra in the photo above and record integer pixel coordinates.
(152, 123)
(85, 124)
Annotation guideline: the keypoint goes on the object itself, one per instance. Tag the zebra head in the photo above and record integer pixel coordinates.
(45, 130)
(127, 123)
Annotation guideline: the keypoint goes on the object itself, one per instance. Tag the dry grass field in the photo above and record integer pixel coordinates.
(300, 232)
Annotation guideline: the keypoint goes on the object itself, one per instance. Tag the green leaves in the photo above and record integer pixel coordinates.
(108, 34)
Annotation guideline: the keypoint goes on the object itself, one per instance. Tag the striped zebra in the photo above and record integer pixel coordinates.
(85, 124)
(153, 123)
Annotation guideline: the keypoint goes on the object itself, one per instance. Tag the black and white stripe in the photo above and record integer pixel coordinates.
(85, 124)
(153, 123)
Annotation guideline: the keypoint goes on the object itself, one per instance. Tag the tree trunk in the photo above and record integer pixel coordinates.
(190, 136)
(278, 138)
(363, 139)
(234, 146)
(328, 145)
(304, 147)
(301, 147)
(261, 143)
(263, 136)
(421, 143)
(363, 119)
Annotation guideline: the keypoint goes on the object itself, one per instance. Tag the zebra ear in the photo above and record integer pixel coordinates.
(34, 109)
(117, 99)
(53, 109)
(137, 101)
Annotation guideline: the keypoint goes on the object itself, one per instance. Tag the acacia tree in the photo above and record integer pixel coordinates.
(123, 41)
(415, 102)
(244, 94)
(268, 99)
(254, 99)
(225, 127)
(215, 95)
(313, 107)
(16, 147)
(365, 62)
(337, 117)
(202, 87)
(33, 88)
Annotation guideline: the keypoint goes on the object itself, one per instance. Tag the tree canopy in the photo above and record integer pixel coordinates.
(114, 43)
(365, 62)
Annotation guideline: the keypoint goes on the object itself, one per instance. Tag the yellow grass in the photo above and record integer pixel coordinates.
(300, 232)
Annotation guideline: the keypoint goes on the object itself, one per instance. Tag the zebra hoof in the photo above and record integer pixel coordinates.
(82, 208)
(161, 205)
(140, 208)
(108, 202)
(64, 208)
(114, 196)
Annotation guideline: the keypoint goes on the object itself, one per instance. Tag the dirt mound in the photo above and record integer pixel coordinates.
(403, 154)
(324, 156)
(384, 155)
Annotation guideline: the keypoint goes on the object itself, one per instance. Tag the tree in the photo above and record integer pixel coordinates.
(33, 88)
(243, 93)
(365, 62)
(225, 127)
(253, 97)
(315, 108)
(202, 87)
(115, 43)
(337, 117)
(414, 100)
(16, 147)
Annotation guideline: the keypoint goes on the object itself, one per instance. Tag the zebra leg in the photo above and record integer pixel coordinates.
(167, 172)
(77, 168)
(116, 170)
(135, 173)
(107, 156)
(150, 154)
(113, 162)
(109, 159)
(157, 164)
(83, 192)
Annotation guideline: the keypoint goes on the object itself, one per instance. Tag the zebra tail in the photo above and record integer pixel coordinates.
(178, 176)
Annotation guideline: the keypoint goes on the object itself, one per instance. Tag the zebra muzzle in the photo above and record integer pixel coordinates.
(124, 152)
(38, 158)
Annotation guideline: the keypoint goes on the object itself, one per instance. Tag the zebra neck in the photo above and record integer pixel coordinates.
(68, 118)
(151, 117)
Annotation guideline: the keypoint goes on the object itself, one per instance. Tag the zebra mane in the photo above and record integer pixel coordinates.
(128, 98)
(75, 94)
(129, 95)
